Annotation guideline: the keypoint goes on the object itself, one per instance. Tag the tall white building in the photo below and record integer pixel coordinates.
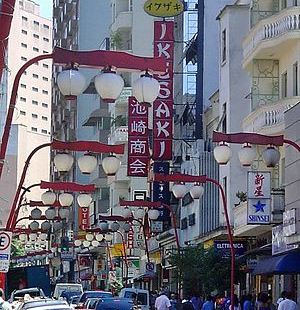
(30, 36)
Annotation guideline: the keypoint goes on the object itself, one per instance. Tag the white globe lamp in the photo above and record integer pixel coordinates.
(111, 165)
(36, 214)
(246, 155)
(271, 156)
(45, 226)
(63, 162)
(84, 200)
(222, 154)
(87, 163)
(65, 199)
(48, 198)
(99, 237)
(126, 227)
(34, 225)
(139, 213)
(126, 212)
(86, 243)
(153, 214)
(23, 237)
(32, 237)
(77, 243)
(50, 213)
(103, 225)
(63, 213)
(179, 190)
(43, 237)
(114, 226)
(89, 237)
(95, 243)
(108, 237)
(197, 191)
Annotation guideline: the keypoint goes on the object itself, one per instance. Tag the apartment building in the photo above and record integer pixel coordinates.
(30, 36)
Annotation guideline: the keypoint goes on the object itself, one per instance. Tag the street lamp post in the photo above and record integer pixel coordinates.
(179, 192)
(98, 59)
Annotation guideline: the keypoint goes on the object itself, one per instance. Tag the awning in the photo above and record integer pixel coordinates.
(283, 264)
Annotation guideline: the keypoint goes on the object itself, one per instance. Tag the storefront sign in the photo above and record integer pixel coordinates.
(223, 247)
(84, 218)
(133, 268)
(163, 8)
(67, 255)
(279, 244)
(5, 246)
(289, 222)
(163, 106)
(130, 238)
(138, 139)
(259, 197)
(139, 241)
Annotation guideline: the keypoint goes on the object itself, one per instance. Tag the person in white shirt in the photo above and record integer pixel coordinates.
(4, 305)
(287, 303)
(162, 302)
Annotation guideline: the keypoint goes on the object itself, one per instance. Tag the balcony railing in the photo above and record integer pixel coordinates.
(269, 117)
(286, 21)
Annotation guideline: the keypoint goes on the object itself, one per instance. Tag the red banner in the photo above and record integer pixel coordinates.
(163, 106)
(138, 139)
(84, 218)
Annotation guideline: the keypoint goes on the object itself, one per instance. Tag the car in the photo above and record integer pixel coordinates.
(116, 304)
(91, 303)
(142, 296)
(43, 304)
(33, 292)
(68, 295)
(66, 287)
(94, 294)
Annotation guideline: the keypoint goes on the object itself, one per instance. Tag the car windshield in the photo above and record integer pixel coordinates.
(44, 303)
(115, 305)
(141, 297)
(94, 294)
(21, 294)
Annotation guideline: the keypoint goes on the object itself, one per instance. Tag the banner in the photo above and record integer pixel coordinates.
(163, 106)
(84, 218)
(138, 139)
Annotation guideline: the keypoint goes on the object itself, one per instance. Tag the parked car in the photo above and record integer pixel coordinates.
(68, 295)
(33, 292)
(66, 287)
(116, 304)
(93, 294)
(91, 303)
(142, 296)
(43, 304)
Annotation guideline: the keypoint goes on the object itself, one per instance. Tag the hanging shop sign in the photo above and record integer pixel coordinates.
(223, 247)
(279, 244)
(138, 139)
(84, 218)
(163, 8)
(259, 198)
(289, 222)
(163, 106)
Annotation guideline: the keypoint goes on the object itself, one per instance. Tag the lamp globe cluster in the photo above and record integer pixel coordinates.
(179, 190)
(108, 84)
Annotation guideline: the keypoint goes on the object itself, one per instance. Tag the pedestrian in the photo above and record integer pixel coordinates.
(281, 298)
(262, 302)
(287, 303)
(187, 304)
(209, 304)
(162, 302)
(173, 301)
(247, 304)
(4, 305)
(196, 301)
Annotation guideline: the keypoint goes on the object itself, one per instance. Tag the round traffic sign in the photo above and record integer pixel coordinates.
(4, 241)
(150, 266)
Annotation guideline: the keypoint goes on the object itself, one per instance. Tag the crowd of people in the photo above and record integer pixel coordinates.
(170, 301)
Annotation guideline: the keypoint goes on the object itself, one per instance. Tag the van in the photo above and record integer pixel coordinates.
(142, 296)
(67, 287)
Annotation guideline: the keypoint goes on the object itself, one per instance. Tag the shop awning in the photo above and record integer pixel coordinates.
(283, 264)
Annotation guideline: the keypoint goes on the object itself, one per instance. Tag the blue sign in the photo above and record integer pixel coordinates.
(259, 211)
(223, 247)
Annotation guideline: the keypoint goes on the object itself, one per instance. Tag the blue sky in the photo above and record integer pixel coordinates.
(46, 7)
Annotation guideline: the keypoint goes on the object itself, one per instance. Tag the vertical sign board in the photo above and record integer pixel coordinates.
(163, 106)
(138, 139)
(84, 218)
(259, 198)
(5, 246)
(279, 244)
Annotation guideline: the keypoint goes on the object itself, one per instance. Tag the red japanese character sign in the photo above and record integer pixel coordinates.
(138, 139)
(163, 106)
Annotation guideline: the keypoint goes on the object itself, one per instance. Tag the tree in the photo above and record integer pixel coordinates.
(17, 248)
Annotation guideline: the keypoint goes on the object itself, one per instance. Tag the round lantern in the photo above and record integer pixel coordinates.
(43, 237)
(126, 227)
(65, 199)
(99, 237)
(139, 213)
(179, 190)
(108, 237)
(63, 162)
(84, 200)
(63, 213)
(109, 86)
(114, 226)
(89, 237)
(48, 198)
(153, 214)
(86, 243)
(197, 191)
(246, 155)
(146, 89)
(77, 242)
(45, 226)
(87, 163)
(23, 237)
(36, 214)
(50, 213)
(32, 237)
(34, 225)
(126, 212)
(222, 154)
(95, 243)
(71, 83)
(111, 165)
(271, 156)
(57, 226)
(103, 225)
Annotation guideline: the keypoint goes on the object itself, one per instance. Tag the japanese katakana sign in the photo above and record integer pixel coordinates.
(163, 8)
(259, 197)
(163, 106)
(138, 139)
(84, 218)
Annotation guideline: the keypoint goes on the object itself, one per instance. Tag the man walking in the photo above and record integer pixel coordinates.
(162, 302)
(287, 303)
(4, 305)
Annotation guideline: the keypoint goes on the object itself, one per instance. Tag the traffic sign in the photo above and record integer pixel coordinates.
(5, 245)
(150, 266)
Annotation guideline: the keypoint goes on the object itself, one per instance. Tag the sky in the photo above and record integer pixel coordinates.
(46, 7)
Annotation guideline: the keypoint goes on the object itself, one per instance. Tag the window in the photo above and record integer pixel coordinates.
(224, 119)
(283, 4)
(46, 39)
(24, 45)
(35, 89)
(34, 129)
(35, 49)
(34, 102)
(23, 58)
(34, 115)
(295, 79)
(36, 23)
(45, 66)
(44, 131)
(45, 78)
(44, 105)
(36, 36)
(24, 18)
(45, 92)
(23, 99)
(24, 31)
(284, 85)
(22, 112)
(45, 26)
(35, 76)
(23, 86)
(45, 52)
(224, 49)
(44, 118)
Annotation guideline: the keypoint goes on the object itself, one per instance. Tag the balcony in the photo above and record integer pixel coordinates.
(123, 99)
(242, 229)
(269, 118)
(122, 21)
(269, 35)
(118, 135)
